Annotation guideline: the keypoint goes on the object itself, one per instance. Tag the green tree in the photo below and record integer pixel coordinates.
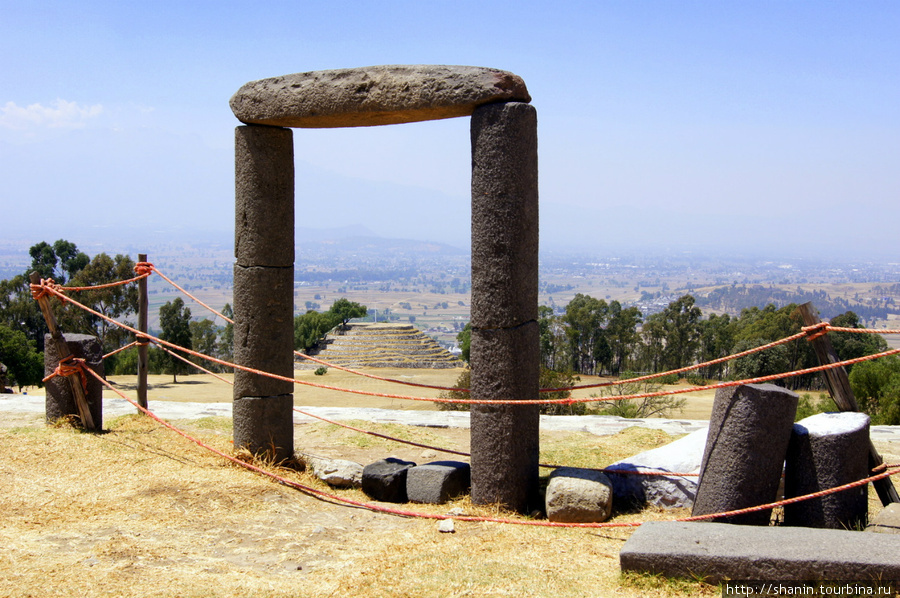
(681, 322)
(205, 340)
(226, 336)
(25, 365)
(585, 320)
(622, 334)
(876, 386)
(464, 338)
(310, 327)
(117, 302)
(716, 341)
(757, 327)
(174, 319)
(850, 345)
(345, 310)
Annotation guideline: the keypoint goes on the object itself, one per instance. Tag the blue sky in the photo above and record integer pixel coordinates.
(707, 126)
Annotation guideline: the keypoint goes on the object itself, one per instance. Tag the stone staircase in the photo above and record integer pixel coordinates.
(381, 346)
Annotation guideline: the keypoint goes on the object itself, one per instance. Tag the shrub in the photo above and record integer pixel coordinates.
(321, 371)
(695, 379)
(668, 379)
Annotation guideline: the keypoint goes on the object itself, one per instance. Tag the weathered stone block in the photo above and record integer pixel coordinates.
(577, 495)
(374, 95)
(340, 473)
(719, 551)
(263, 330)
(437, 482)
(504, 215)
(59, 398)
(385, 480)
(887, 521)
(828, 450)
(264, 425)
(749, 430)
(264, 197)
(682, 456)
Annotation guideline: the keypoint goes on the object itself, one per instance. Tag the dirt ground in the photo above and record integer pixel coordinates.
(205, 388)
(140, 511)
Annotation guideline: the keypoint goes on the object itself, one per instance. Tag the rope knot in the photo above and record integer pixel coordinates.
(815, 331)
(69, 366)
(47, 287)
(143, 268)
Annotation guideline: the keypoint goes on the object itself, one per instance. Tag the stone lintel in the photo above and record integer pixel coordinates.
(374, 95)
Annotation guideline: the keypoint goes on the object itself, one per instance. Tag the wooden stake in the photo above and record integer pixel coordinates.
(62, 348)
(143, 309)
(838, 384)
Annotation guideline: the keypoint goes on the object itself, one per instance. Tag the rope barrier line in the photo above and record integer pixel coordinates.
(335, 499)
(174, 284)
(69, 366)
(198, 366)
(567, 401)
(120, 349)
(376, 377)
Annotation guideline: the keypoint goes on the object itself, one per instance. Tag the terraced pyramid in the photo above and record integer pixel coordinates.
(382, 346)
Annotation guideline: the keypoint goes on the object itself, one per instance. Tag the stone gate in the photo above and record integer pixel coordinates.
(505, 358)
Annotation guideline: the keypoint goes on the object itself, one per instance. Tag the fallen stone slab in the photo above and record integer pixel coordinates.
(385, 480)
(437, 482)
(721, 551)
(374, 95)
(339, 473)
(887, 521)
(576, 495)
(669, 492)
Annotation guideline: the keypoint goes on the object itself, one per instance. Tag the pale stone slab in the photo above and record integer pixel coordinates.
(374, 95)
(720, 551)
(576, 495)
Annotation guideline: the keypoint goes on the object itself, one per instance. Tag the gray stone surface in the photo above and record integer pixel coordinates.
(504, 215)
(264, 197)
(59, 398)
(385, 480)
(749, 431)
(828, 450)
(887, 521)
(374, 95)
(576, 495)
(505, 356)
(719, 551)
(437, 482)
(263, 425)
(340, 473)
(682, 456)
(263, 330)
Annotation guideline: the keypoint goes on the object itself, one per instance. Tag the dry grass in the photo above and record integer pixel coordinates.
(139, 511)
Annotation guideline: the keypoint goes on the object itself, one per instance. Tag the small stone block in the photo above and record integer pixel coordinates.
(887, 521)
(446, 526)
(576, 495)
(437, 482)
(385, 480)
(339, 473)
(720, 551)
(59, 398)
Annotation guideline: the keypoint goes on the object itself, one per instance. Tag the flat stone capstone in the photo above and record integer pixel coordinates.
(374, 95)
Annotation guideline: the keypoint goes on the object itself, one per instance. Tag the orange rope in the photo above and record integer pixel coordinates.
(199, 367)
(120, 349)
(568, 401)
(69, 366)
(172, 282)
(404, 513)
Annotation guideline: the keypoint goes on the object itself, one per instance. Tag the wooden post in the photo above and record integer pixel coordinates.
(143, 313)
(838, 384)
(84, 410)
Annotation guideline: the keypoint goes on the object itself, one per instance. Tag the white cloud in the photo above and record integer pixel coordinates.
(58, 115)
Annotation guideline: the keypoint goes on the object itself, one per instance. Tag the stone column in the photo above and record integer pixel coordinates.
(59, 400)
(505, 352)
(828, 450)
(749, 430)
(264, 289)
